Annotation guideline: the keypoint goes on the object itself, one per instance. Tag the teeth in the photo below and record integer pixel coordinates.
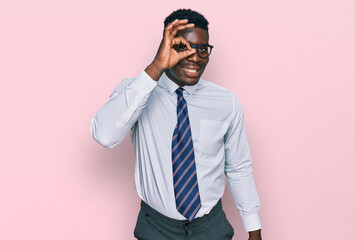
(191, 70)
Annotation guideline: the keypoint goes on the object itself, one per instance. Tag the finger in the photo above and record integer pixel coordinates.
(181, 27)
(183, 21)
(182, 40)
(170, 25)
(186, 54)
(189, 25)
(176, 22)
(169, 32)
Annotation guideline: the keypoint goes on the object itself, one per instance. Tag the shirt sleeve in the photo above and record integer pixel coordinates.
(239, 171)
(114, 120)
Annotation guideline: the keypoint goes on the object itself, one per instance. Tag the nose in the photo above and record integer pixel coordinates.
(194, 57)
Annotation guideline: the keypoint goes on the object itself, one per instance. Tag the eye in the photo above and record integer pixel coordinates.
(182, 47)
(203, 49)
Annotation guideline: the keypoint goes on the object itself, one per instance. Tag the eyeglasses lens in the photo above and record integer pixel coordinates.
(202, 50)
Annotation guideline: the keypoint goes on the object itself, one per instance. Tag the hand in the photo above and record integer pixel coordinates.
(167, 56)
(255, 235)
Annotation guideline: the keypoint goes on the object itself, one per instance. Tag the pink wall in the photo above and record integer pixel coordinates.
(290, 62)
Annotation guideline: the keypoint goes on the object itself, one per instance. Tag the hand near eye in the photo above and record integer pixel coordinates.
(167, 56)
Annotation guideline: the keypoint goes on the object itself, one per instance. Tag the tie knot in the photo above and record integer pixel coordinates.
(179, 91)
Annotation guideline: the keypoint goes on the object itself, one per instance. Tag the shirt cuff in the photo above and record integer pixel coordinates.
(251, 222)
(144, 83)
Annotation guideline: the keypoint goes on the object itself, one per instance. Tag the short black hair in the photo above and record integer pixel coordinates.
(194, 17)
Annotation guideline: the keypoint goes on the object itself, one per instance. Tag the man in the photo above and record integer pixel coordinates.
(187, 133)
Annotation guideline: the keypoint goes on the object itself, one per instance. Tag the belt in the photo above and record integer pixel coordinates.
(181, 223)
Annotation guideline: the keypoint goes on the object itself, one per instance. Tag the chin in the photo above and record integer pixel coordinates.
(190, 82)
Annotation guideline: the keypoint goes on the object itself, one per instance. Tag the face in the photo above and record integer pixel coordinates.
(189, 70)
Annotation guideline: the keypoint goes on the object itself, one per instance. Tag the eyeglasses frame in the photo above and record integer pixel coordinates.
(197, 46)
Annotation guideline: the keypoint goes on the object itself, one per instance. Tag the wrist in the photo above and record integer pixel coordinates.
(255, 235)
(154, 70)
(158, 66)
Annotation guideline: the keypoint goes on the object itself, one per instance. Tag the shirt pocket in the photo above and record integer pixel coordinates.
(211, 137)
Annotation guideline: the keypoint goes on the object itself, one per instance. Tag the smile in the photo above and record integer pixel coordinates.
(191, 70)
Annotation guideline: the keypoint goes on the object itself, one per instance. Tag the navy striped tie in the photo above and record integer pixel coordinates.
(187, 195)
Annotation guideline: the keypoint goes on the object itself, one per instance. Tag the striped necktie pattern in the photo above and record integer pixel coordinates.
(186, 190)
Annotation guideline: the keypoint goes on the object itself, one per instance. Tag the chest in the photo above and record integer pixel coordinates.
(209, 117)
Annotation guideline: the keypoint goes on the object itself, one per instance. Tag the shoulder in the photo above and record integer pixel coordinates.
(123, 84)
(142, 82)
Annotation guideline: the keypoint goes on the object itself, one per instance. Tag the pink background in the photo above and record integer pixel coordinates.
(290, 62)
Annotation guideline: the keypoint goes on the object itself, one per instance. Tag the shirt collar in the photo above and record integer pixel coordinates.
(165, 82)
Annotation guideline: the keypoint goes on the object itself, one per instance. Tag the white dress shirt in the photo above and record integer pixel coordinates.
(148, 109)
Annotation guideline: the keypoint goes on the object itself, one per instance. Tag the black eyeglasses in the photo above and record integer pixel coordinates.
(203, 50)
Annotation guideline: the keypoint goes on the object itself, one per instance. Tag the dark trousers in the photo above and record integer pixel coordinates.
(152, 225)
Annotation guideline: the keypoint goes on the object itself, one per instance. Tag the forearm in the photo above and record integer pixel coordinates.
(245, 195)
(239, 171)
(242, 185)
(114, 120)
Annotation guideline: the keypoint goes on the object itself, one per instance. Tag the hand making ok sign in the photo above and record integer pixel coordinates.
(167, 56)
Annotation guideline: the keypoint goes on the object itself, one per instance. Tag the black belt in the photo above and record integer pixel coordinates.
(181, 223)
